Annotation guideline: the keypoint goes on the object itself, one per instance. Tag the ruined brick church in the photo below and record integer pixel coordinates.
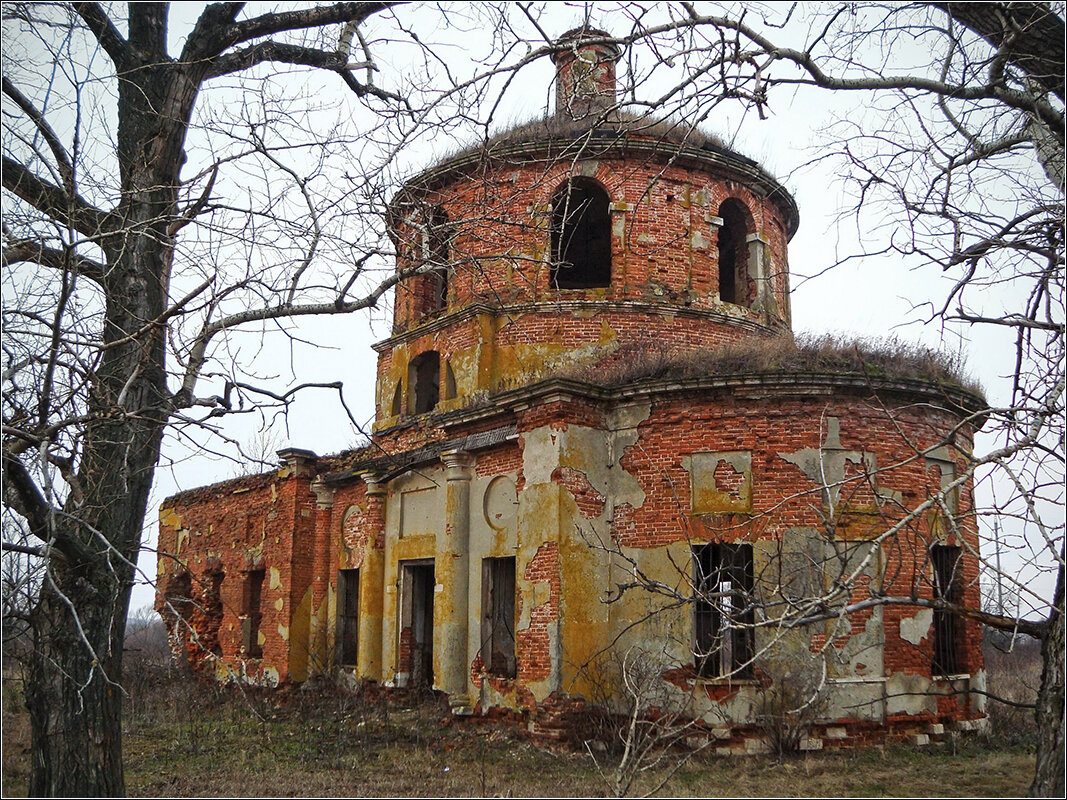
(566, 471)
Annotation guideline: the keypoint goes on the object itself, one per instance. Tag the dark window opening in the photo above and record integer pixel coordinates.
(398, 400)
(946, 565)
(252, 611)
(498, 616)
(347, 616)
(723, 610)
(424, 382)
(209, 611)
(416, 624)
(733, 253)
(179, 595)
(581, 236)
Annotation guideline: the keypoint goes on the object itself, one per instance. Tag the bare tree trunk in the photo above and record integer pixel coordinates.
(75, 697)
(1048, 773)
(75, 703)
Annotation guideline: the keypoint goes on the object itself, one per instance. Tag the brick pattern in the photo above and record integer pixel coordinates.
(266, 522)
(533, 643)
(665, 265)
(664, 247)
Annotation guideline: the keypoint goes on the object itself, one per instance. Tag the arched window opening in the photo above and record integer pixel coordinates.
(581, 236)
(733, 253)
(424, 382)
(398, 400)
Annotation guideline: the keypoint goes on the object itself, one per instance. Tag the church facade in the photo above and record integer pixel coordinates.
(585, 456)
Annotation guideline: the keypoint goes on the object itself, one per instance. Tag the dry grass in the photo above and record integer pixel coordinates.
(1014, 669)
(653, 359)
(184, 739)
(562, 128)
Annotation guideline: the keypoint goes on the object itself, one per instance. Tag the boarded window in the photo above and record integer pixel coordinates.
(252, 612)
(347, 616)
(424, 382)
(733, 253)
(723, 614)
(581, 236)
(498, 616)
(946, 565)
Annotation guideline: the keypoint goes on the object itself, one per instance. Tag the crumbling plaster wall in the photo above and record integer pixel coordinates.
(492, 351)
(673, 500)
(589, 493)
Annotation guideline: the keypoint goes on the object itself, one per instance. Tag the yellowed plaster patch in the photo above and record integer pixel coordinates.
(275, 578)
(170, 518)
(222, 671)
(300, 638)
(283, 631)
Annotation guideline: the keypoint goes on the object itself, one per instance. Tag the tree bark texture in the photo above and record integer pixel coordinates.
(74, 697)
(1048, 772)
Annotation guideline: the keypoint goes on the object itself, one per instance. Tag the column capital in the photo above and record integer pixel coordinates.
(460, 464)
(323, 494)
(374, 483)
(300, 463)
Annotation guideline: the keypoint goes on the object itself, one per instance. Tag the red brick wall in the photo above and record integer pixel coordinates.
(784, 497)
(229, 529)
(502, 233)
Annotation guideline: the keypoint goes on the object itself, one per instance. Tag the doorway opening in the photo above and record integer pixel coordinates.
(415, 655)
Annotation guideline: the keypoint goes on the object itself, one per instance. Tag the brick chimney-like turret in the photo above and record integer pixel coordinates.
(585, 74)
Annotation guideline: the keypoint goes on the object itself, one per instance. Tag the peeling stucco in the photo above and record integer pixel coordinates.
(916, 628)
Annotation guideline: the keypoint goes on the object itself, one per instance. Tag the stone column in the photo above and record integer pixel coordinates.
(451, 614)
(372, 584)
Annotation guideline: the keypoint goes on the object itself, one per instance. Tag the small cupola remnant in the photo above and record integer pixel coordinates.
(585, 74)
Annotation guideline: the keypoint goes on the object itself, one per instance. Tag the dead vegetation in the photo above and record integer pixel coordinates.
(889, 359)
(1013, 665)
(187, 738)
(612, 124)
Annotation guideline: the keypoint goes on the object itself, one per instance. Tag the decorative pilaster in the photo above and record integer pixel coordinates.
(758, 271)
(319, 645)
(451, 613)
(372, 601)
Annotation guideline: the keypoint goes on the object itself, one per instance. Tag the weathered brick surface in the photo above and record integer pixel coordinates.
(504, 327)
